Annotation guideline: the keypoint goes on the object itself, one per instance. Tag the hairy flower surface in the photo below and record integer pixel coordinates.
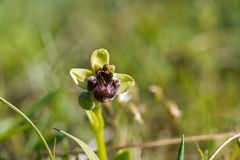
(102, 82)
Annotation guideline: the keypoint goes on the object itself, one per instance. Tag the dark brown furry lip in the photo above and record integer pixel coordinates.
(103, 85)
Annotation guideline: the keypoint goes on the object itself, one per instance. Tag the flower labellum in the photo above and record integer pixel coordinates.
(103, 85)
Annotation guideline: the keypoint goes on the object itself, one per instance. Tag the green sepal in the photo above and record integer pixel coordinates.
(99, 58)
(125, 154)
(86, 100)
(126, 82)
(80, 76)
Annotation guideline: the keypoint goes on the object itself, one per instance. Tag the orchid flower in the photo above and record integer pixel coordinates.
(101, 84)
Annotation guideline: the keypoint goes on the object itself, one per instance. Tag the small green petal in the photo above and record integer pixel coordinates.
(86, 100)
(80, 76)
(109, 68)
(99, 58)
(126, 82)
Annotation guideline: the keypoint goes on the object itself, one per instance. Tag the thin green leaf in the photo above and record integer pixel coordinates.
(238, 141)
(99, 58)
(14, 123)
(199, 150)
(42, 101)
(204, 155)
(33, 141)
(54, 147)
(181, 150)
(90, 154)
(126, 82)
(80, 76)
(20, 113)
(9, 131)
(125, 154)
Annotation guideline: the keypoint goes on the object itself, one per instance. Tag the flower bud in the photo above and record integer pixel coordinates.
(86, 100)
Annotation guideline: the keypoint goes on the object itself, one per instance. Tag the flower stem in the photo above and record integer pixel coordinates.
(31, 123)
(223, 145)
(102, 154)
(97, 123)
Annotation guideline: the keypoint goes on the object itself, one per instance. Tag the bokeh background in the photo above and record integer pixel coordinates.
(184, 56)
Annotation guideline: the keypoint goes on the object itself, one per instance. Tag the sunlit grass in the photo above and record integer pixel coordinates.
(188, 49)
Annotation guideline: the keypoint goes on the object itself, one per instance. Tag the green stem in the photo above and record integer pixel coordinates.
(31, 123)
(102, 153)
(97, 123)
(223, 145)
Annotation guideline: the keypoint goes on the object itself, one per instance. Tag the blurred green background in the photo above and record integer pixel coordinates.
(186, 50)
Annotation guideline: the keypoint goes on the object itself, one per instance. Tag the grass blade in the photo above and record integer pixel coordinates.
(42, 101)
(181, 150)
(88, 151)
(204, 155)
(14, 123)
(238, 141)
(54, 147)
(30, 123)
(12, 131)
